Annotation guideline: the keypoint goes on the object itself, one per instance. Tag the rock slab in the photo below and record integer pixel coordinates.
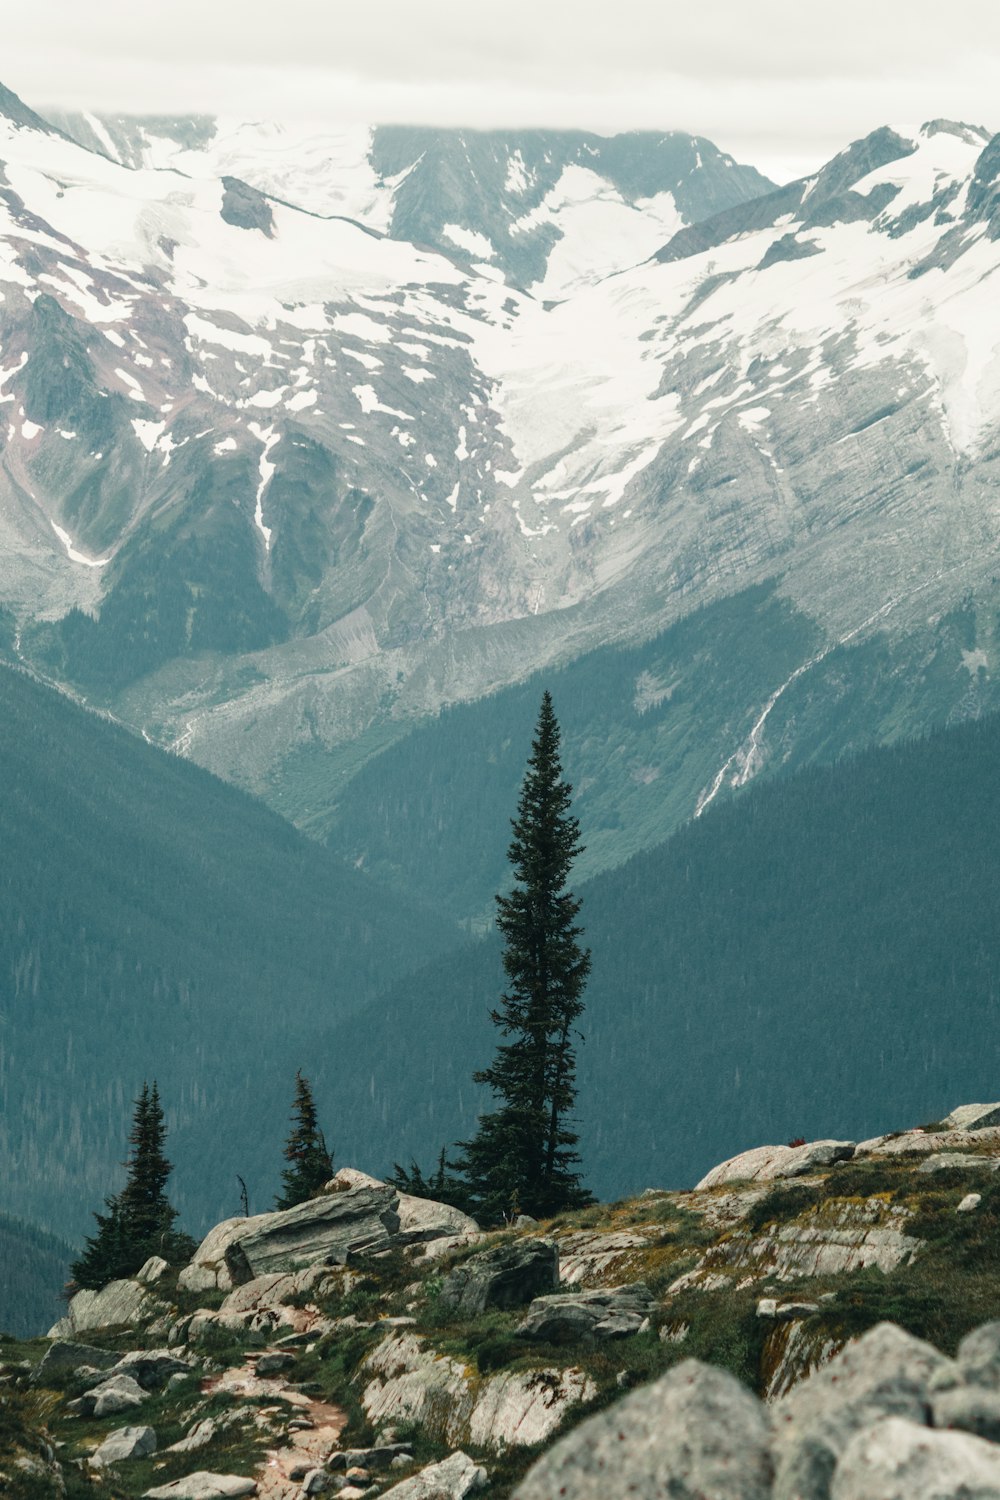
(609, 1313)
(773, 1163)
(509, 1275)
(900, 1460)
(452, 1479)
(123, 1443)
(694, 1433)
(204, 1486)
(326, 1230)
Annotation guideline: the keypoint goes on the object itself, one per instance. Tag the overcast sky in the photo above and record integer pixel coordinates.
(780, 83)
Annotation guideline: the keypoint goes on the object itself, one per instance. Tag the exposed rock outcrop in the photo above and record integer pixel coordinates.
(452, 1479)
(615, 1313)
(327, 1230)
(771, 1163)
(508, 1275)
(695, 1432)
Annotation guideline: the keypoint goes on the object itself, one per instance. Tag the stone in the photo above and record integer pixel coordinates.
(453, 1478)
(773, 1163)
(204, 1486)
(152, 1270)
(612, 1312)
(119, 1393)
(152, 1368)
(409, 1382)
(424, 1219)
(969, 1203)
(594, 1255)
(958, 1161)
(924, 1142)
(968, 1409)
(123, 1443)
(316, 1482)
(325, 1230)
(63, 1355)
(695, 1432)
(120, 1303)
(207, 1270)
(901, 1460)
(978, 1357)
(508, 1275)
(885, 1373)
(274, 1362)
(201, 1434)
(972, 1117)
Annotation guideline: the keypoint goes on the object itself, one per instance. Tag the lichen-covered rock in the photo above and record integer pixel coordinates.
(119, 1393)
(452, 1479)
(901, 1460)
(64, 1355)
(208, 1270)
(972, 1117)
(791, 1352)
(123, 1443)
(978, 1357)
(508, 1275)
(886, 1373)
(409, 1382)
(608, 1313)
(923, 1142)
(590, 1255)
(204, 1486)
(152, 1368)
(327, 1230)
(119, 1304)
(694, 1433)
(834, 1238)
(968, 1408)
(771, 1163)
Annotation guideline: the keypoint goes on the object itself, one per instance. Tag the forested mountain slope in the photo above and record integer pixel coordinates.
(820, 956)
(34, 1267)
(157, 922)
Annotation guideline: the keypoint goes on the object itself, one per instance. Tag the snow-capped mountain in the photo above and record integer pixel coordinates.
(549, 210)
(288, 461)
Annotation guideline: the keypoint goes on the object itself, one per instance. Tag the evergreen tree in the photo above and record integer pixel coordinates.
(439, 1185)
(522, 1158)
(310, 1164)
(140, 1220)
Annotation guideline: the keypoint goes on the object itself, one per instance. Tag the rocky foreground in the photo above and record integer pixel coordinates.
(812, 1322)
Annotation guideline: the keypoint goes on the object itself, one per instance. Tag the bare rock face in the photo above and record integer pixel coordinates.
(123, 1443)
(452, 1479)
(901, 1460)
(407, 1381)
(64, 1355)
(325, 1230)
(118, 1393)
(118, 1303)
(886, 1373)
(609, 1313)
(695, 1432)
(509, 1275)
(772, 1163)
(208, 1270)
(973, 1117)
(204, 1486)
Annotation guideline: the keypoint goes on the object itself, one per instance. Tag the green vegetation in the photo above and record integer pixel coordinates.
(820, 957)
(522, 1158)
(157, 920)
(310, 1164)
(139, 1222)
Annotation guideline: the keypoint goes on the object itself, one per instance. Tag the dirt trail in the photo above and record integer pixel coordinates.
(309, 1447)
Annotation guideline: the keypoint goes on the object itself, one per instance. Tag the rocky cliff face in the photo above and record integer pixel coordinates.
(370, 1367)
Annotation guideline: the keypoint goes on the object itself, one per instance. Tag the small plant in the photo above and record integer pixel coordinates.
(798, 1140)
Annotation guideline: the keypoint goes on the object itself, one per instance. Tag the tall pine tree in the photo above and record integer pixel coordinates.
(310, 1164)
(140, 1220)
(523, 1158)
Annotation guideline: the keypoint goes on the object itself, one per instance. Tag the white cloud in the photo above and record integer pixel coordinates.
(776, 82)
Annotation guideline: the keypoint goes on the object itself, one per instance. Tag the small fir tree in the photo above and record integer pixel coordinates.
(310, 1164)
(140, 1220)
(439, 1185)
(522, 1158)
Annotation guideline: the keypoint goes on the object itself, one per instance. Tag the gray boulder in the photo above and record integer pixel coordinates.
(694, 1433)
(972, 1117)
(204, 1486)
(969, 1408)
(123, 1443)
(152, 1368)
(452, 1479)
(886, 1373)
(613, 1312)
(508, 1275)
(63, 1356)
(978, 1357)
(773, 1163)
(274, 1362)
(327, 1230)
(120, 1303)
(200, 1435)
(900, 1460)
(119, 1393)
